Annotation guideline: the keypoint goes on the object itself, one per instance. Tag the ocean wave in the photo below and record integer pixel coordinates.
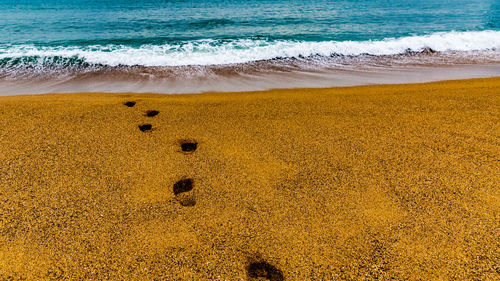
(223, 52)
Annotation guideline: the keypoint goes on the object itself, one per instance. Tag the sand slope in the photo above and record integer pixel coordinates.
(359, 183)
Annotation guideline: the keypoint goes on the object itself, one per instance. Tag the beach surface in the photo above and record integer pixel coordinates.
(360, 183)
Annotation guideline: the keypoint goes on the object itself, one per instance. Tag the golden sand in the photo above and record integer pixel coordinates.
(360, 183)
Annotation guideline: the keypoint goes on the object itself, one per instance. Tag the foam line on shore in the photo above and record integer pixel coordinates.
(219, 52)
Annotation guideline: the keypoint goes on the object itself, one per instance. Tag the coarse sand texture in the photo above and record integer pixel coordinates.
(397, 182)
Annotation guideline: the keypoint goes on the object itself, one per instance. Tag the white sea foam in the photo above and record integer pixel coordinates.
(212, 52)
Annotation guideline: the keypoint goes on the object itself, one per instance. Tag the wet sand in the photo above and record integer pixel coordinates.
(259, 76)
(358, 183)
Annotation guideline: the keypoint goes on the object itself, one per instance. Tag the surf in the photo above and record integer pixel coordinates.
(236, 51)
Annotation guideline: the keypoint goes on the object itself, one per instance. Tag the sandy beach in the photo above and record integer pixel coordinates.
(395, 182)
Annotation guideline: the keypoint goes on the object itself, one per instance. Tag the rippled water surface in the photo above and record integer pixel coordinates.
(58, 43)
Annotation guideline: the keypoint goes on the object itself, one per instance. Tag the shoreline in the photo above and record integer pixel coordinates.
(308, 89)
(346, 183)
(192, 81)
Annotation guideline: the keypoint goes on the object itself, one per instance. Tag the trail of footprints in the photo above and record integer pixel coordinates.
(183, 187)
(182, 191)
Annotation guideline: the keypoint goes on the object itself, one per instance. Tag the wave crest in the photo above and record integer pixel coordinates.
(222, 52)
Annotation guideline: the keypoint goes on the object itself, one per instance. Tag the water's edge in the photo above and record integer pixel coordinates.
(256, 82)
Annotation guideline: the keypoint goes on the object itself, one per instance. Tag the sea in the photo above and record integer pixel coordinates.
(194, 46)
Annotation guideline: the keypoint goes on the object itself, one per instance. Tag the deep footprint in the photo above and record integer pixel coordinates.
(152, 113)
(130, 103)
(189, 146)
(265, 270)
(182, 194)
(183, 185)
(145, 127)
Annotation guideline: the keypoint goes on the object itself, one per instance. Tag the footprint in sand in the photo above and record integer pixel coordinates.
(152, 113)
(182, 192)
(130, 103)
(145, 127)
(262, 269)
(188, 146)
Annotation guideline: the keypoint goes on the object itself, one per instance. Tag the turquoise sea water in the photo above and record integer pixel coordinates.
(174, 40)
(132, 23)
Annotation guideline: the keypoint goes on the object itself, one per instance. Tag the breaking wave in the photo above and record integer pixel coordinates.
(222, 52)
